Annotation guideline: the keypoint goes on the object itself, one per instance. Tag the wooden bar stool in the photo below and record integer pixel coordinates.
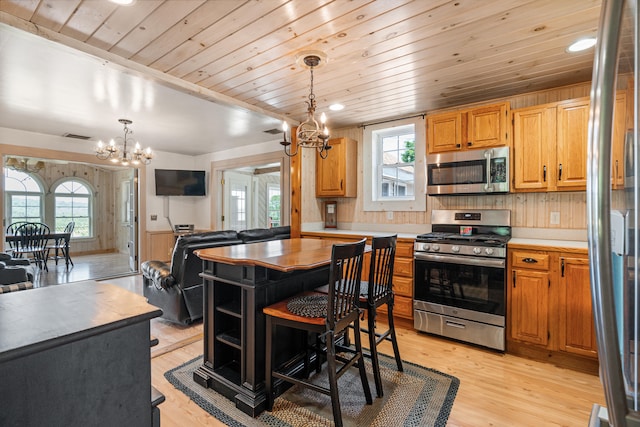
(378, 291)
(325, 315)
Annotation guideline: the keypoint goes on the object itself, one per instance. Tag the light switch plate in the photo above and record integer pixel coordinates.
(555, 218)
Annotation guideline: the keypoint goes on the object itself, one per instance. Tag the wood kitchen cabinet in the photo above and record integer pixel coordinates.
(402, 280)
(571, 144)
(336, 176)
(576, 326)
(529, 299)
(549, 307)
(479, 127)
(550, 146)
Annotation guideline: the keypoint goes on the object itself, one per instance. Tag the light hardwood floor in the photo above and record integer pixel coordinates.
(495, 389)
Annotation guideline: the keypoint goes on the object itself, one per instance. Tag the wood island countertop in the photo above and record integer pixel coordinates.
(283, 255)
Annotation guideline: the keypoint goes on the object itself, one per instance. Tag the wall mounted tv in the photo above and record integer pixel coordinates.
(171, 182)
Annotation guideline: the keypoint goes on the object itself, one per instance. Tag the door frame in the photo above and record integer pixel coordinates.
(218, 167)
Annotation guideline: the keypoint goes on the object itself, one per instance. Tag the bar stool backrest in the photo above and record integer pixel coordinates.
(383, 252)
(344, 274)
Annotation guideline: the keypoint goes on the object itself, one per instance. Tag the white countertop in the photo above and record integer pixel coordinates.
(569, 244)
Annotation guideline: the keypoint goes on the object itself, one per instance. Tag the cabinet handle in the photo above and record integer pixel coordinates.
(514, 278)
(617, 170)
(560, 172)
(530, 260)
(341, 184)
(562, 267)
(544, 173)
(469, 144)
(458, 146)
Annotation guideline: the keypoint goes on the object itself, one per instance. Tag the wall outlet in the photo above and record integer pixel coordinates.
(555, 218)
(154, 217)
(389, 215)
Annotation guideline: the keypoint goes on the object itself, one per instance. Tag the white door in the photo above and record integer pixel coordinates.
(132, 207)
(237, 201)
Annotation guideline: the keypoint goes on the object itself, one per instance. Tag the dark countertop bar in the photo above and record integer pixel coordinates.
(39, 319)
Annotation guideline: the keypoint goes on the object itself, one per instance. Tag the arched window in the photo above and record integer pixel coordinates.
(73, 202)
(23, 197)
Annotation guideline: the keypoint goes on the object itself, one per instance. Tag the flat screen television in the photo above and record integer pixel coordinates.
(171, 182)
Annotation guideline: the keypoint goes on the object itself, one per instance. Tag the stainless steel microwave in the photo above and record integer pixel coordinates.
(477, 171)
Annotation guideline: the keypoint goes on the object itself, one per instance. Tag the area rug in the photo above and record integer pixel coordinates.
(418, 396)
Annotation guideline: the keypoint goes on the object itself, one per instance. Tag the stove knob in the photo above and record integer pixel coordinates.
(455, 249)
(477, 251)
(425, 247)
(489, 251)
(435, 248)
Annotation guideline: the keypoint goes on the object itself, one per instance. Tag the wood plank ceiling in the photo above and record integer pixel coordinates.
(386, 59)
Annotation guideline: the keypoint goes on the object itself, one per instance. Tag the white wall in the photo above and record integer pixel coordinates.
(181, 210)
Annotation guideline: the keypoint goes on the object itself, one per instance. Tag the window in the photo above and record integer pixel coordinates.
(73, 203)
(273, 195)
(396, 153)
(23, 197)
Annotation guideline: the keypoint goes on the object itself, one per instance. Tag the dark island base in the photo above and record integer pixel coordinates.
(234, 335)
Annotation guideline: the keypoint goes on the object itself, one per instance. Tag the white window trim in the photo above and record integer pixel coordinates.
(419, 203)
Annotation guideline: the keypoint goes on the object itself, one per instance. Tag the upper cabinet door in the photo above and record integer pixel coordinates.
(534, 132)
(488, 126)
(336, 175)
(572, 131)
(444, 132)
(480, 127)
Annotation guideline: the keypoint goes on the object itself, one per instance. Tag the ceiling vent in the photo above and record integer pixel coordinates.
(273, 131)
(74, 136)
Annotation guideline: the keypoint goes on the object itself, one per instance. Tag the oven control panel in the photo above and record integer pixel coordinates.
(456, 249)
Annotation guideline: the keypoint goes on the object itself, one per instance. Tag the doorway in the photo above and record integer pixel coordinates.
(252, 197)
(251, 192)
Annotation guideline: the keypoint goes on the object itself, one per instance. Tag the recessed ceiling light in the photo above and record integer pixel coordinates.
(123, 2)
(336, 107)
(582, 44)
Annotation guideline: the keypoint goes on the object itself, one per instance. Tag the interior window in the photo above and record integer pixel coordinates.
(23, 197)
(73, 202)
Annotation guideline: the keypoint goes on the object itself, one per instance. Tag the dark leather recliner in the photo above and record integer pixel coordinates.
(177, 288)
(255, 235)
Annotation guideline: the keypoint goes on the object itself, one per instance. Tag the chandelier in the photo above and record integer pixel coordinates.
(23, 165)
(121, 154)
(310, 133)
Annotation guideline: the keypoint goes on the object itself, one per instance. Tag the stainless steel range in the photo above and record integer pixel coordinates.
(460, 276)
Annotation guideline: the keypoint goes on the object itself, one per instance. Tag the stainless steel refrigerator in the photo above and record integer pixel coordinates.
(614, 216)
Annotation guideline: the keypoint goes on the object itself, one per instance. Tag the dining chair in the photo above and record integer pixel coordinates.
(33, 238)
(326, 316)
(11, 230)
(60, 245)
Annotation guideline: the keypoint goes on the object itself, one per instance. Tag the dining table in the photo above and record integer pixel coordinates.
(10, 238)
(239, 281)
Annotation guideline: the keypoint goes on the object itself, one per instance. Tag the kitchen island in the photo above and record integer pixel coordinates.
(239, 281)
(75, 355)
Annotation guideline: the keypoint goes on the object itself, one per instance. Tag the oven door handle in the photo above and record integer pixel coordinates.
(453, 259)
